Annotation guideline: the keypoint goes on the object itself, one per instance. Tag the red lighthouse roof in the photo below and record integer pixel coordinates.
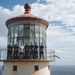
(27, 16)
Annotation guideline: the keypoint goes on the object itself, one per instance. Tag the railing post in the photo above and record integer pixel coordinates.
(54, 55)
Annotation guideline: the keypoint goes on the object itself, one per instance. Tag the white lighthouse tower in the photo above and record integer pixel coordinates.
(24, 29)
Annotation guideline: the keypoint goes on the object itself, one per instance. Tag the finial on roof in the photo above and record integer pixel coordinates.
(27, 8)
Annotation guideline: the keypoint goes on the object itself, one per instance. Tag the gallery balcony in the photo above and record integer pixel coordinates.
(49, 56)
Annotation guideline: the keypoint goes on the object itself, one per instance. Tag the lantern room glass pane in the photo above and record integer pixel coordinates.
(37, 41)
(27, 30)
(15, 30)
(26, 40)
(41, 31)
(16, 40)
(11, 31)
(37, 28)
(8, 36)
(28, 33)
(32, 32)
(8, 40)
(11, 41)
(21, 30)
(40, 41)
(32, 40)
(21, 40)
(36, 34)
(37, 31)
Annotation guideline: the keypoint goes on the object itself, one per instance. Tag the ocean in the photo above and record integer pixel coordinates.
(60, 70)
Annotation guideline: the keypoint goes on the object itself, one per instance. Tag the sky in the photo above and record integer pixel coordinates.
(61, 31)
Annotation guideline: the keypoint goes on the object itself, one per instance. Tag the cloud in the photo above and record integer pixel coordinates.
(58, 1)
(51, 12)
(59, 36)
(38, 0)
(3, 42)
(61, 16)
(60, 51)
(55, 11)
(4, 15)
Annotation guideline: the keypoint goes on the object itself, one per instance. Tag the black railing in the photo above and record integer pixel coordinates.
(49, 56)
(3, 54)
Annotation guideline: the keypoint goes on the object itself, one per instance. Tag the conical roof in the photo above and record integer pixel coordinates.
(27, 16)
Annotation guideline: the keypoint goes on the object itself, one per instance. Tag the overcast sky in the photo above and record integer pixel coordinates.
(61, 31)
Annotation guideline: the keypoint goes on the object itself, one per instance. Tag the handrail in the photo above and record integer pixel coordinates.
(50, 55)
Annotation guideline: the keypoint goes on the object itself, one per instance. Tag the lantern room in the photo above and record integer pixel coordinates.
(27, 28)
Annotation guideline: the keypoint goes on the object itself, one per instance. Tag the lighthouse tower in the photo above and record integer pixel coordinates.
(24, 29)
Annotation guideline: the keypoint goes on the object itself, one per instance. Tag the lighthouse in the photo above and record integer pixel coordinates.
(24, 29)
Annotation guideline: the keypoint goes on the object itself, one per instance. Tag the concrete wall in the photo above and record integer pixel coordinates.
(26, 68)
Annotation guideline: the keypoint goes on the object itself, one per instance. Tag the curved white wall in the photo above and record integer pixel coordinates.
(26, 68)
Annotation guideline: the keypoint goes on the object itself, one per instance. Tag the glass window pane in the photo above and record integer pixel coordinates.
(8, 40)
(32, 40)
(37, 41)
(20, 41)
(37, 35)
(21, 30)
(40, 41)
(40, 31)
(44, 40)
(9, 35)
(44, 44)
(11, 30)
(32, 32)
(43, 31)
(26, 30)
(26, 40)
(16, 40)
(11, 41)
(37, 31)
(15, 30)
